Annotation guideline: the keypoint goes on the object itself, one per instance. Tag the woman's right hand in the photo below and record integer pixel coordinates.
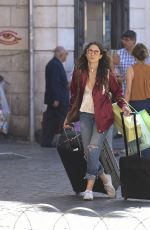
(126, 110)
(66, 125)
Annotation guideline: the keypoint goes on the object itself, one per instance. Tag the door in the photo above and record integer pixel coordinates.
(101, 20)
(97, 26)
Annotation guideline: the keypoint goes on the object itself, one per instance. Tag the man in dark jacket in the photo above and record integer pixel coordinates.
(56, 96)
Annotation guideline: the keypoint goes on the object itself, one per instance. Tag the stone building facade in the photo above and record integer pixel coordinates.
(140, 19)
(53, 24)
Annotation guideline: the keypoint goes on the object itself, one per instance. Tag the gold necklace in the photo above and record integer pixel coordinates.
(92, 70)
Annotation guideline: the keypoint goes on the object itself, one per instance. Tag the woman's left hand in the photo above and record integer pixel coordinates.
(126, 110)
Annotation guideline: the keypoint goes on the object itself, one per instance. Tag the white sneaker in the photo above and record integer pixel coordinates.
(88, 195)
(109, 187)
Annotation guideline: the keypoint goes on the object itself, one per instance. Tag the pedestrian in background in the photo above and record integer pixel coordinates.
(93, 71)
(123, 58)
(56, 96)
(138, 80)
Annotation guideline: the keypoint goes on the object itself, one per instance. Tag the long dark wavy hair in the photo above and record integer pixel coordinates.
(104, 64)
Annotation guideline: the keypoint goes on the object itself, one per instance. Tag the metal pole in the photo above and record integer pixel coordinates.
(31, 53)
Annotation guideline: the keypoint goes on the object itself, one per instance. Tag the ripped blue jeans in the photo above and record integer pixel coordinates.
(92, 143)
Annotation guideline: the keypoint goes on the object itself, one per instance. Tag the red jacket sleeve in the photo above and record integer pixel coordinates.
(116, 90)
(73, 87)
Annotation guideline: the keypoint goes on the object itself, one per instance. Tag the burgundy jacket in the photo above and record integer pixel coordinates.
(102, 103)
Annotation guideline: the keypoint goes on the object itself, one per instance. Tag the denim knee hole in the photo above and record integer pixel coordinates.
(92, 147)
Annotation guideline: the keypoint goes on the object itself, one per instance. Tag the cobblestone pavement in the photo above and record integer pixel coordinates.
(35, 193)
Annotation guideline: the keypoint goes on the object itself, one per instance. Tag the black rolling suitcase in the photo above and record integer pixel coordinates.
(134, 170)
(71, 152)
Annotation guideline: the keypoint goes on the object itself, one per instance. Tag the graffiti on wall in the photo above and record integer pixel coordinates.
(9, 37)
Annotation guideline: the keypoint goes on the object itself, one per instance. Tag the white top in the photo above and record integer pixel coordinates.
(87, 104)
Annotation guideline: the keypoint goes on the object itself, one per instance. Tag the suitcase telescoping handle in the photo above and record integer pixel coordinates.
(136, 134)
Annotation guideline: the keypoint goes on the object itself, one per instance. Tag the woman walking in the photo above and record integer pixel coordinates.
(93, 72)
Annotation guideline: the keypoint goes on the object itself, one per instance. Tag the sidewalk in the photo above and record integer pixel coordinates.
(35, 193)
